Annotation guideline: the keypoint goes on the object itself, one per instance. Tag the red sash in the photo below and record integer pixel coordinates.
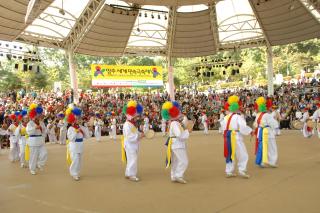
(225, 136)
(256, 131)
(78, 128)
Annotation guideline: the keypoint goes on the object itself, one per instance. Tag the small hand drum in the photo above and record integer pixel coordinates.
(297, 124)
(149, 134)
(189, 125)
(311, 124)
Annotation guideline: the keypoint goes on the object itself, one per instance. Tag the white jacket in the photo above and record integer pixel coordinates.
(179, 135)
(131, 136)
(36, 136)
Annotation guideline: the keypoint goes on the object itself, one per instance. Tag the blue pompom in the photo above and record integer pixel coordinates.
(17, 113)
(24, 112)
(76, 111)
(176, 104)
(139, 108)
(39, 110)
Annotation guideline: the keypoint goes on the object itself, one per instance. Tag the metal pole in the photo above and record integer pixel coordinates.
(73, 78)
(170, 79)
(270, 71)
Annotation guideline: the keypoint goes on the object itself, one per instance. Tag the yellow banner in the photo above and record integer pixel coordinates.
(126, 76)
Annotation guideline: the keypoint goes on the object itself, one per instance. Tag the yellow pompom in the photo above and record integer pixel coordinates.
(132, 104)
(33, 106)
(167, 105)
(233, 99)
(260, 101)
(68, 111)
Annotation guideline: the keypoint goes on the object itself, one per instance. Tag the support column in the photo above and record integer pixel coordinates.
(270, 71)
(170, 79)
(73, 77)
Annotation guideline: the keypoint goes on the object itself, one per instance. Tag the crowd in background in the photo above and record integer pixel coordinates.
(289, 99)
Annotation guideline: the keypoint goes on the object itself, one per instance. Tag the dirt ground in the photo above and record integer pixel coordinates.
(293, 187)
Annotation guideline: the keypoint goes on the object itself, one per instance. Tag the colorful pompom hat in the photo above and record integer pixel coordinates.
(233, 104)
(171, 110)
(132, 109)
(262, 105)
(14, 115)
(72, 113)
(34, 110)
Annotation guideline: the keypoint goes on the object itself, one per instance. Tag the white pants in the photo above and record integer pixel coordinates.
(63, 136)
(305, 132)
(22, 153)
(272, 151)
(14, 151)
(76, 164)
(97, 133)
(205, 125)
(132, 163)
(179, 163)
(38, 157)
(242, 158)
(278, 132)
(145, 127)
(52, 137)
(113, 133)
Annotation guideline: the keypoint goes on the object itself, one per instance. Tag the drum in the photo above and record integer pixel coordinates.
(189, 125)
(297, 124)
(311, 124)
(149, 134)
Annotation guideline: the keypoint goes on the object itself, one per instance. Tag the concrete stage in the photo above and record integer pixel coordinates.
(293, 187)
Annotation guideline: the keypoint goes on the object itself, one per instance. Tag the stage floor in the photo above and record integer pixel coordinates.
(293, 187)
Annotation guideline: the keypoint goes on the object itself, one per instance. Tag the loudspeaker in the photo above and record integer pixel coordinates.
(25, 67)
(16, 66)
(30, 67)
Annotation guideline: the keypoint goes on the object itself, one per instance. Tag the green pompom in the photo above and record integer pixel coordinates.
(262, 108)
(165, 114)
(234, 107)
(124, 109)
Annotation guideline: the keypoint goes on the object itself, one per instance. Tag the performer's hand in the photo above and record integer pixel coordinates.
(252, 133)
(141, 135)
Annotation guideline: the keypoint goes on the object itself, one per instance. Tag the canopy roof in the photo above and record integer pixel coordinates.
(178, 28)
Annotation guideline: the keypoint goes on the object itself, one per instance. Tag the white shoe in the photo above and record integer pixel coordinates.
(273, 166)
(134, 179)
(181, 180)
(244, 175)
(22, 165)
(33, 172)
(230, 175)
(76, 178)
(40, 167)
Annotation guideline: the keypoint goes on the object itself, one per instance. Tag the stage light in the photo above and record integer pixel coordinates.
(9, 56)
(25, 60)
(128, 12)
(145, 15)
(159, 16)
(140, 14)
(152, 16)
(138, 29)
(165, 17)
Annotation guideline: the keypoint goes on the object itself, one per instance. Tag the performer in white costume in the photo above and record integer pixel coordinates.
(51, 127)
(234, 128)
(62, 125)
(306, 131)
(177, 156)
(14, 145)
(204, 121)
(221, 118)
(131, 140)
(98, 123)
(36, 131)
(146, 123)
(113, 132)
(21, 133)
(316, 118)
(276, 115)
(76, 135)
(164, 127)
(266, 126)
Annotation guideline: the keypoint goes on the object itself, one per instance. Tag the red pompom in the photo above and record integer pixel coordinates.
(32, 113)
(226, 106)
(174, 112)
(13, 117)
(19, 117)
(269, 103)
(131, 111)
(71, 118)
